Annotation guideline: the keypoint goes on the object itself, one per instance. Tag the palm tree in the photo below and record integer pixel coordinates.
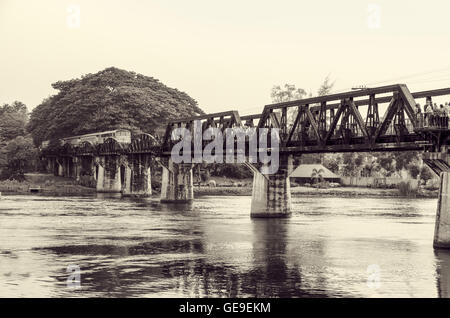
(316, 175)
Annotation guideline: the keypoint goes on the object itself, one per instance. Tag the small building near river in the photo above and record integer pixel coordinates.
(305, 172)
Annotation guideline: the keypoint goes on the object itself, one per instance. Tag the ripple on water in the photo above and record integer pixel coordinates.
(127, 247)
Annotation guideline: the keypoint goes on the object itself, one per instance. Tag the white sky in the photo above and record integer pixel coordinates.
(225, 54)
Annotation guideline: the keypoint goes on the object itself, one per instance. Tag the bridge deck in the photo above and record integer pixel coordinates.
(345, 122)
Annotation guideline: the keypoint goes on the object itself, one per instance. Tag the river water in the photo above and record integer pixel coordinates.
(330, 247)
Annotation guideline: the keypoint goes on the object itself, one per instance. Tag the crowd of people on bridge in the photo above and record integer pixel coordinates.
(433, 116)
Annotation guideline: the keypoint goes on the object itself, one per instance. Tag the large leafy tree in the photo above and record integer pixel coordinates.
(110, 99)
(287, 93)
(17, 153)
(21, 156)
(13, 120)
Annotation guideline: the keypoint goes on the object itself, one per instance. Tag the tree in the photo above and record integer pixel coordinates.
(349, 165)
(13, 120)
(236, 170)
(370, 167)
(110, 99)
(414, 170)
(288, 93)
(326, 87)
(332, 162)
(426, 174)
(17, 152)
(404, 159)
(20, 156)
(316, 175)
(387, 163)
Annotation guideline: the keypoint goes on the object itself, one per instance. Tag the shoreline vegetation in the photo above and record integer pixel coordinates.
(59, 186)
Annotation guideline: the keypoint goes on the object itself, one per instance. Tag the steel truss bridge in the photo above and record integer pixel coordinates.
(366, 120)
(345, 122)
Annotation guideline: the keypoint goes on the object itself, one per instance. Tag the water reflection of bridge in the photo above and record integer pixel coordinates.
(345, 122)
(184, 266)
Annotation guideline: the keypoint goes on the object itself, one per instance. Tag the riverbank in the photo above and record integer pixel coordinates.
(300, 190)
(51, 185)
(45, 184)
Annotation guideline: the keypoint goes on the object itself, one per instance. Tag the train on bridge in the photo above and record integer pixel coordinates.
(120, 135)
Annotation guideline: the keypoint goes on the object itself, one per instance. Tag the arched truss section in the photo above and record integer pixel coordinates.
(222, 121)
(143, 143)
(67, 149)
(86, 147)
(110, 146)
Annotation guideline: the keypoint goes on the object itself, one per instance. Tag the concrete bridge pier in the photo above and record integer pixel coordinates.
(86, 171)
(125, 176)
(77, 168)
(72, 167)
(59, 167)
(52, 166)
(271, 193)
(111, 178)
(177, 184)
(138, 176)
(67, 167)
(100, 173)
(108, 175)
(442, 226)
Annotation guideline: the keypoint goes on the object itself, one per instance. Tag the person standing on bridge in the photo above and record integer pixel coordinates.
(419, 115)
(428, 115)
(418, 109)
(447, 114)
(435, 116)
(441, 113)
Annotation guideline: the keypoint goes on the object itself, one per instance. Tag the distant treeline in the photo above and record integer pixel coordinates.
(17, 152)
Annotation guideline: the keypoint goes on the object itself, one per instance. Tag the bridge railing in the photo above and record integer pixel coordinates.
(433, 121)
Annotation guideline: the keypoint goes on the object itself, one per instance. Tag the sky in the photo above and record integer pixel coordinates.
(225, 54)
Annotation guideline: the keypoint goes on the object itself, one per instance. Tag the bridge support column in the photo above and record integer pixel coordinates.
(77, 168)
(66, 167)
(439, 162)
(177, 184)
(100, 174)
(111, 176)
(126, 184)
(86, 170)
(49, 165)
(442, 227)
(271, 193)
(140, 176)
(59, 167)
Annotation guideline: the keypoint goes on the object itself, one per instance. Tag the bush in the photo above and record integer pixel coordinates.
(406, 190)
(414, 170)
(426, 174)
(8, 174)
(235, 171)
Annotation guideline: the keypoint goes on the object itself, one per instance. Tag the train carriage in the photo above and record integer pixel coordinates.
(121, 135)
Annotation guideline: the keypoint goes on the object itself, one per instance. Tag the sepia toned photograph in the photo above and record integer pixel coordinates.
(242, 152)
